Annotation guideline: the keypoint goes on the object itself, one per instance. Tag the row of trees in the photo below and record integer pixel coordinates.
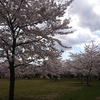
(84, 64)
(47, 69)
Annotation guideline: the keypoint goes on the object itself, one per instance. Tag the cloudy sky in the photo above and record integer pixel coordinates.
(85, 19)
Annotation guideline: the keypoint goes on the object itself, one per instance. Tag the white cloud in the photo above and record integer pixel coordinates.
(87, 13)
(97, 9)
(85, 19)
(92, 1)
(74, 21)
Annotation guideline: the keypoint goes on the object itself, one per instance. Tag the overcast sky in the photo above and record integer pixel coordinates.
(85, 19)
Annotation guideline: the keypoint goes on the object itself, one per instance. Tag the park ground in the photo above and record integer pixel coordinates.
(49, 89)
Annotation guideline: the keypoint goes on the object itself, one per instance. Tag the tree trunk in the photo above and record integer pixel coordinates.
(81, 79)
(56, 78)
(99, 76)
(87, 80)
(12, 82)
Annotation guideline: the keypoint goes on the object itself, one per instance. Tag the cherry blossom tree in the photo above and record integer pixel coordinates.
(93, 56)
(27, 30)
(52, 68)
(4, 70)
(87, 61)
(96, 61)
(66, 68)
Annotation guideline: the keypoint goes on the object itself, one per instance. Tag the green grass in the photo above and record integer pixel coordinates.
(44, 89)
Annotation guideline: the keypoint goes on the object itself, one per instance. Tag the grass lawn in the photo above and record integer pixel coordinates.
(44, 89)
